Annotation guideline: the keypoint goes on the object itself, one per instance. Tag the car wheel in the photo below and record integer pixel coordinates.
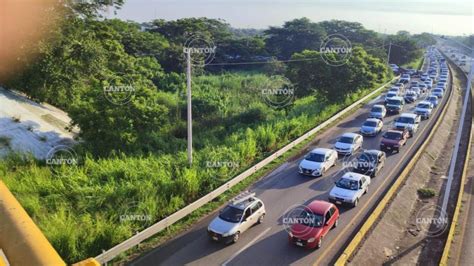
(260, 219)
(356, 202)
(236, 237)
(336, 223)
(320, 242)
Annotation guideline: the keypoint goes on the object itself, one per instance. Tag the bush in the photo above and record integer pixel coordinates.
(426, 193)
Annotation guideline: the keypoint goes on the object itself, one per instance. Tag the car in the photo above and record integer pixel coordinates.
(390, 95)
(395, 90)
(378, 111)
(313, 223)
(392, 140)
(417, 90)
(429, 83)
(441, 85)
(400, 85)
(371, 127)
(370, 162)
(348, 143)
(438, 92)
(433, 99)
(349, 189)
(410, 96)
(414, 83)
(317, 162)
(424, 109)
(409, 121)
(395, 104)
(405, 78)
(239, 215)
(423, 87)
(424, 76)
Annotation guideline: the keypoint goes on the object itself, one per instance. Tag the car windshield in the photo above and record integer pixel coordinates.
(345, 140)
(411, 93)
(393, 135)
(437, 90)
(406, 120)
(391, 94)
(423, 105)
(315, 157)
(310, 219)
(394, 102)
(367, 157)
(370, 124)
(231, 214)
(377, 109)
(347, 184)
(432, 98)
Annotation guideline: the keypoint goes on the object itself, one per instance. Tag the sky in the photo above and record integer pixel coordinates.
(450, 17)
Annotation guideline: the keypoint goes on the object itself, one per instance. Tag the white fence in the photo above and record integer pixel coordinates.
(161, 225)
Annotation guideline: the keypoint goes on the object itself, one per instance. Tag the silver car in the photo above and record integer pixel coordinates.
(239, 215)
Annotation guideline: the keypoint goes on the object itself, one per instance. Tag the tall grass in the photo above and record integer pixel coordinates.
(89, 208)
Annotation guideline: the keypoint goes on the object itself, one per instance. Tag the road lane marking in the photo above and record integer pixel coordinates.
(246, 246)
(396, 167)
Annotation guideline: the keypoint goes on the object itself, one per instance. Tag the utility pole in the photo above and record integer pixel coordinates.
(190, 117)
(389, 50)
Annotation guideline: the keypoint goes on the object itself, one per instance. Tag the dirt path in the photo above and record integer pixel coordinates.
(29, 127)
(397, 238)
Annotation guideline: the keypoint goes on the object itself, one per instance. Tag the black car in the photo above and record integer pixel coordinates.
(370, 162)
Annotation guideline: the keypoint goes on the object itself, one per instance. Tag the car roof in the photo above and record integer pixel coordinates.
(408, 115)
(321, 150)
(378, 105)
(319, 206)
(397, 98)
(350, 135)
(372, 151)
(424, 102)
(352, 176)
(372, 120)
(394, 131)
(432, 97)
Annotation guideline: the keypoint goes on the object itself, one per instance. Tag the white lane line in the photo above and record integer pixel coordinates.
(246, 246)
(454, 157)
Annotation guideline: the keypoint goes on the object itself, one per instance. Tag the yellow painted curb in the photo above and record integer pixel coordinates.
(20, 239)
(357, 239)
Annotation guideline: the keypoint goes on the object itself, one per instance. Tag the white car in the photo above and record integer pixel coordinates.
(349, 189)
(242, 213)
(371, 127)
(438, 92)
(408, 121)
(390, 95)
(378, 111)
(318, 161)
(348, 143)
(424, 109)
(395, 90)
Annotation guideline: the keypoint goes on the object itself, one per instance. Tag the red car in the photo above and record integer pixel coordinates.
(392, 140)
(313, 224)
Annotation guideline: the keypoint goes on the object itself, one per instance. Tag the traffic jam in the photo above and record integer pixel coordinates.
(424, 90)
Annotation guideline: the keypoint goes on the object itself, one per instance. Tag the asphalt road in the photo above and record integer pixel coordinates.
(267, 243)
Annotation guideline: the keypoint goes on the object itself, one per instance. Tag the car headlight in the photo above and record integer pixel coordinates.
(316, 171)
(226, 234)
(311, 240)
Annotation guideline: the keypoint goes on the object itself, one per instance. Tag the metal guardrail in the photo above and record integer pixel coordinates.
(163, 224)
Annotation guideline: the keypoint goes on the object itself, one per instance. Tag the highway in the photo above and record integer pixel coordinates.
(267, 243)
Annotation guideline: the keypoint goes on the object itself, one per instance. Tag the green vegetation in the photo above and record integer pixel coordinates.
(132, 156)
(426, 193)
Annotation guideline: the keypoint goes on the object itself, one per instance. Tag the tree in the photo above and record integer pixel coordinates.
(295, 36)
(404, 48)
